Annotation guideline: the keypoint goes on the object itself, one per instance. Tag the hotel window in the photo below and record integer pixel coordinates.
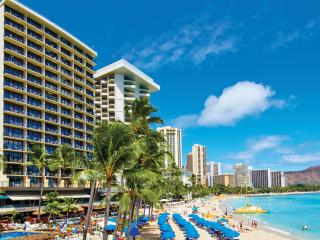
(13, 144)
(14, 12)
(80, 69)
(51, 128)
(90, 111)
(51, 107)
(65, 101)
(79, 106)
(78, 144)
(78, 125)
(51, 75)
(89, 137)
(51, 64)
(51, 33)
(65, 61)
(34, 90)
(65, 41)
(78, 134)
(13, 108)
(13, 71)
(13, 59)
(34, 113)
(79, 50)
(78, 87)
(65, 51)
(89, 101)
(65, 141)
(65, 71)
(90, 93)
(66, 131)
(77, 77)
(66, 81)
(89, 128)
(12, 156)
(50, 150)
(65, 121)
(89, 119)
(34, 45)
(51, 85)
(78, 96)
(78, 115)
(13, 47)
(51, 54)
(13, 83)
(89, 57)
(78, 59)
(90, 84)
(14, 24)
(34, 124)
(34, 67)
(34, 101)
(34, 23)
(50, 117)
(34, 136)
(13, 95)
(13, 132)
(34, 34)
(66, 91)
(17, 37)
(34, 56)
(51, 96)
(65, 111)
(51, 43)
(51, 139)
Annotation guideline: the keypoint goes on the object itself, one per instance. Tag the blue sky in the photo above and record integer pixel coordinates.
(241, 77)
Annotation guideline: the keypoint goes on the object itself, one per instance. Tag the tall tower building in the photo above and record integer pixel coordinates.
(261, 178)
(242, 173)
(198, 158)
(117, 86)
(46, 93)
(278, 179)
(212, 170)
(173, 139)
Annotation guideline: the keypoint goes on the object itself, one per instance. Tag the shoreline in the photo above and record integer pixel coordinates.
(263, 228)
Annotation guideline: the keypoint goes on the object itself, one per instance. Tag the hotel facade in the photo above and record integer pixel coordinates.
(46, 96)
(197, 162)
(117, 86)
(173, 138)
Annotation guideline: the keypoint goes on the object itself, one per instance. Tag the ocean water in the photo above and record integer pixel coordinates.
(287, 213)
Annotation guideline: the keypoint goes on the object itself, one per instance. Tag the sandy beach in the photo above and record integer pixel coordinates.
(213, 206)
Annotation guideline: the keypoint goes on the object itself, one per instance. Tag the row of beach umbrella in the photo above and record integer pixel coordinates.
(190, 231)
(223, 231)
(165, 227)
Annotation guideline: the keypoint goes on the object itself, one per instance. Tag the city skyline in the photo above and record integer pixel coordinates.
(197, 43)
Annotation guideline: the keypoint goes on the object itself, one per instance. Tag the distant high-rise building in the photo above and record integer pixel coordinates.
(117, 86)
(173, 139)
(242, 173)
(197, 162)
(212, 170)
(261, 178)
(189, 162)
(225, 179)
(278, 179)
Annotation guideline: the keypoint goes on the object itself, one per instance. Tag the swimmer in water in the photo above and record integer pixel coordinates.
(305, 227)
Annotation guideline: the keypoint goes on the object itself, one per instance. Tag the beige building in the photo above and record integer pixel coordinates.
(225, 179)
(242, 173)
(173, 139)
(197, 161)
(117, 86)
(46, 94)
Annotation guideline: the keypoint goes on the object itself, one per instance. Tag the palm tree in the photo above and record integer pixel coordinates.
(64, 158)
(113, 150)
(39, 158)
(69, 205)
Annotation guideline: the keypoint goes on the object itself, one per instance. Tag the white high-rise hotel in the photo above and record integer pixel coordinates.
(46, 94)
(173, 139)
(117, 86)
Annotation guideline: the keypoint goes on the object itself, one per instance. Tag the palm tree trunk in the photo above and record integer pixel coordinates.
(41, 193)
(107, 210)
(144, 208)
(90, 206)
(117, 224)
(137, 209)
(124, 218)
(131, 217)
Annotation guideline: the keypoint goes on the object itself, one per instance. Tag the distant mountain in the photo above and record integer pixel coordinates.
(310, 175)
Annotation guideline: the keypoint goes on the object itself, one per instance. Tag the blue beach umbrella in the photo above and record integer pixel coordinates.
(168, 235)
(110, 228)
(134, 231)
(165, 228)
(223, 220)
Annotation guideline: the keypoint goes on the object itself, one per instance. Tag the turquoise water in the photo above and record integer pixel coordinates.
(288, 213)
(4, 236)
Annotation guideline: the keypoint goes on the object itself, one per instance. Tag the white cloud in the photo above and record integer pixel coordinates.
(302, 158)
(185, 121)
(235, 103)
(258, 145)
(190, 41)
(285, 37)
